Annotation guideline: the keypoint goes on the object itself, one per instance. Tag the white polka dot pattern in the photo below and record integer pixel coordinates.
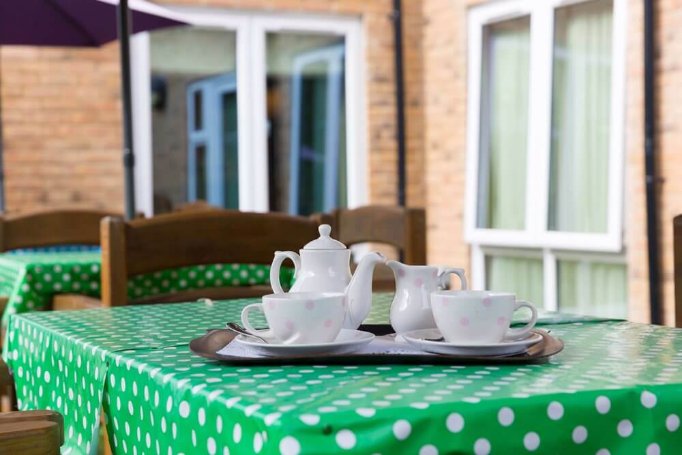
(158, 397)
(579, 434)
(31, 279)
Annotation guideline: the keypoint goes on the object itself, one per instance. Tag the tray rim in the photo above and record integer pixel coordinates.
(550, 346)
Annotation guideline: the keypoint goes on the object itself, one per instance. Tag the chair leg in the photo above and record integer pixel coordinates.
(105, 448)
(6, 387)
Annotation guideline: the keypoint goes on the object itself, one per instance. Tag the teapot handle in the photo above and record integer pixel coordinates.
(280, 256)
(444, 277)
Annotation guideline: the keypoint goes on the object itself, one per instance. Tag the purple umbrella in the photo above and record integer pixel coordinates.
(88, 23)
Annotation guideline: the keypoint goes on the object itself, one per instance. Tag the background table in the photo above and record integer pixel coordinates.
(31, 279)
(616, 386)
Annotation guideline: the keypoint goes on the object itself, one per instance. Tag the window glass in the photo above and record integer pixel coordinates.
(200, 171)
(593, 288)
(581, 106)
(306, 122)
(230, 150)
(504, 125)
(519, 275)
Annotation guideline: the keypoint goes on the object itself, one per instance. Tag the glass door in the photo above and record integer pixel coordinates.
(249, 111)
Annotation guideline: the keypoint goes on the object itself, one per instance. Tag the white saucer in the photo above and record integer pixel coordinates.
(420, 339)
(347, 341)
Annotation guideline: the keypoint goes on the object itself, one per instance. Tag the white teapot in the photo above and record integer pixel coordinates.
(324, 266)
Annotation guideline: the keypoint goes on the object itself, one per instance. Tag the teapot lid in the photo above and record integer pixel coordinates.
(324, 242)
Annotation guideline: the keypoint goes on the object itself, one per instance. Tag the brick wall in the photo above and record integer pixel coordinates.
(61, 127)
(445, 130)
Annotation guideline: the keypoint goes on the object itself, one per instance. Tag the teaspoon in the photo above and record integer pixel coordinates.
(234, 327)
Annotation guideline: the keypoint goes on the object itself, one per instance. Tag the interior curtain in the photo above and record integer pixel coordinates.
(581, 117)
(504, 124)
(519, 275)
(595, 289)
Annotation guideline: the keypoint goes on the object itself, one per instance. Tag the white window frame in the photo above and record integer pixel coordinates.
(536, 240)
(537, 235)
(251, 28)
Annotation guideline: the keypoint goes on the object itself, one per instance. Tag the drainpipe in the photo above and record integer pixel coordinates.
(650, 160)
(396, 17)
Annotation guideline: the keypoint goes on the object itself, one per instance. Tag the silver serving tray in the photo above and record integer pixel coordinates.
(214, 340)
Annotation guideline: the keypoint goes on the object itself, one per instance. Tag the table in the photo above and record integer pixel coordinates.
(616, 387)
(31, 279)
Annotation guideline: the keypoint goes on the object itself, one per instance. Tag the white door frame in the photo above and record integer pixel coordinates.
(251, 29)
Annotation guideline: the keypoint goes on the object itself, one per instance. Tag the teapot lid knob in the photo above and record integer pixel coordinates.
(325, 230)
(325, 242)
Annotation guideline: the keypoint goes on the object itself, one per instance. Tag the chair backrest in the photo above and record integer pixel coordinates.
(195, 237)
(677, 246)
(50, 228)
(400, 227)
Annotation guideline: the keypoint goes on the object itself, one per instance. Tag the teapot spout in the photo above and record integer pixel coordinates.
(359, 290)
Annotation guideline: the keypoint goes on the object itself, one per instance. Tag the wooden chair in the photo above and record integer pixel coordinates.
(399, 227)
(50, 228)
(677, 247)
(195, 237)
(29, 432)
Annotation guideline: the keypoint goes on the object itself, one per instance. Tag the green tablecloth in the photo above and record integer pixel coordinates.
(31, 279)
(616, 387)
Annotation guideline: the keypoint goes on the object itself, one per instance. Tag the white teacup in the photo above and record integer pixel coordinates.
(299, 317)
(478, 317)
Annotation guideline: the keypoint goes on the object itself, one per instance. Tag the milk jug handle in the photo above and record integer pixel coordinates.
(444, 277)
(280, 256)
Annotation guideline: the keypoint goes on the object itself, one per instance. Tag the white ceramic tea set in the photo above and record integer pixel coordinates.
(326, 305)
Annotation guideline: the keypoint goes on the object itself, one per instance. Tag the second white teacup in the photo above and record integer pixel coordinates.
(299, 317)
(478, 317)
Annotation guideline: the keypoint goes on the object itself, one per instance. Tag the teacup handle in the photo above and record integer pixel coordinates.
(267, 333)
(281, 256)
(444, 277)
(518, 333)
